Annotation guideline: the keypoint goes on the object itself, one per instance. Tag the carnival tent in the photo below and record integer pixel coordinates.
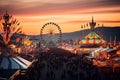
(14, 63)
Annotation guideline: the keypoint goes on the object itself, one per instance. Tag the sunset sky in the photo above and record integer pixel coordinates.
(68, 14)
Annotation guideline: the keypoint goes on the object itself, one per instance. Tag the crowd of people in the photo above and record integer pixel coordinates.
(58, 64)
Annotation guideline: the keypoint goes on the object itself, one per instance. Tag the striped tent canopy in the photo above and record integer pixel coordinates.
(92, 35)
(92, 38)
(14, 63)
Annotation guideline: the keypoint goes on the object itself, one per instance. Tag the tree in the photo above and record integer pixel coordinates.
(9, 28)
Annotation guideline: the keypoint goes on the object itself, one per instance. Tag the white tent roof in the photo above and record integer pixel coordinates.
(13, 63)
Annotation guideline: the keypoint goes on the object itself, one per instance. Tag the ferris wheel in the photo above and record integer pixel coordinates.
(50, 35)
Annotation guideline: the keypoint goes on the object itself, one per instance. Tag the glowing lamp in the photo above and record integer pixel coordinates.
(118, 52)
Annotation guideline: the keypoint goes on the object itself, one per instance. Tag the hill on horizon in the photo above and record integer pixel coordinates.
(107, 32)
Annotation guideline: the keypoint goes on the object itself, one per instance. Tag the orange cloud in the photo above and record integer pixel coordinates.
(69, 14)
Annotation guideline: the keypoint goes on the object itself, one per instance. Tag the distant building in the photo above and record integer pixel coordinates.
(92, 39)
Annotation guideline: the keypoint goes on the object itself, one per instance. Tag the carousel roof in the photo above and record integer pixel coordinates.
(92, 35)
(92, 38)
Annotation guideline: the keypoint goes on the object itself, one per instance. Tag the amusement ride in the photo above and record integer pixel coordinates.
(50, 35)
